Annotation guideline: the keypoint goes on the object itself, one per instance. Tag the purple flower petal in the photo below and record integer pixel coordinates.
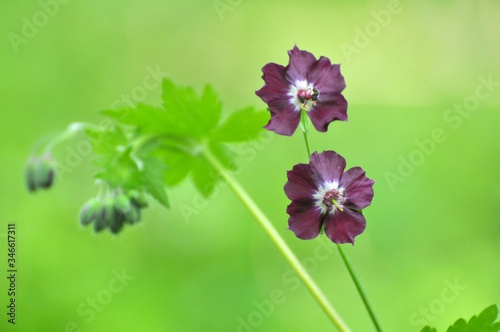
(325, 76)
(276, 86)
(299, 64)
(284, 118)
(331, 107)
(329, 165)
(343, 227)
(358, 188)
(303, 182)
(305, 218)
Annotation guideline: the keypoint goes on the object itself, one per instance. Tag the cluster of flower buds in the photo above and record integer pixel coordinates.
(39, 173)
(113, 211)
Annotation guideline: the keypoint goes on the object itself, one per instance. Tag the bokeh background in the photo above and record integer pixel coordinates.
(430, 253)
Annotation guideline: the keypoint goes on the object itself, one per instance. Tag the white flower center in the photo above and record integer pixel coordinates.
(303, 95)
(329, 197)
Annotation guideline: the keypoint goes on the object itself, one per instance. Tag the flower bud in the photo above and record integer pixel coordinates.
(128, 211)
(106, 216)
(117, 224)
(29, 174)
(90, 211)
(44, 172)
(123, 203)
(99, 223)
(108, 211)
(133, 216)
(139, 199)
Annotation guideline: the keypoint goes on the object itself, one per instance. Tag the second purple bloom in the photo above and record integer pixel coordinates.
(323, 195)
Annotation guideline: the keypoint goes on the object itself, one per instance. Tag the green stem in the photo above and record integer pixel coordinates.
(307, 144)
(39, 143)
(304, 124)
(72, 130)
(348, 264)
(359, 288)
(278, 241)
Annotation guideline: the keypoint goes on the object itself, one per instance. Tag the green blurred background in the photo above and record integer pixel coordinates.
(215, 270)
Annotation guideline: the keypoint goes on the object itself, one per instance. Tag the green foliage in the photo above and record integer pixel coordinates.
(428, 329)
(240, 126)
(153, 179)
(150, 148)
(122, 167)
(484, 322)
(181, 133)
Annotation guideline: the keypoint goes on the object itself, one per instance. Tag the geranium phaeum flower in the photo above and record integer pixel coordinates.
(323, 194)
(305, 84)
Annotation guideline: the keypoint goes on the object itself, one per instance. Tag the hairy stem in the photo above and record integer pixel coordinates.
(278, 241)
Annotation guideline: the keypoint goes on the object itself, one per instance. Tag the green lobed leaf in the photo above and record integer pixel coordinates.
(109, 141)
(488, 315)
(204, 177)
(149, 119)
(484, 322)
(184, 107)
(178, 163)
(121, 171)
(243, 125)
(459, 325)
(210, 108)
(120, 168)
(153, 178)
(428, 329)
(184, 126)
(113, 148)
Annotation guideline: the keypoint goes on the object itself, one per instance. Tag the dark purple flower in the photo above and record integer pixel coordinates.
(305, 84)
(323, 194)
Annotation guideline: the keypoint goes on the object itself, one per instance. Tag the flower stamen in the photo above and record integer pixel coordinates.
(308, 98)
(333, 199)
(337, 205)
